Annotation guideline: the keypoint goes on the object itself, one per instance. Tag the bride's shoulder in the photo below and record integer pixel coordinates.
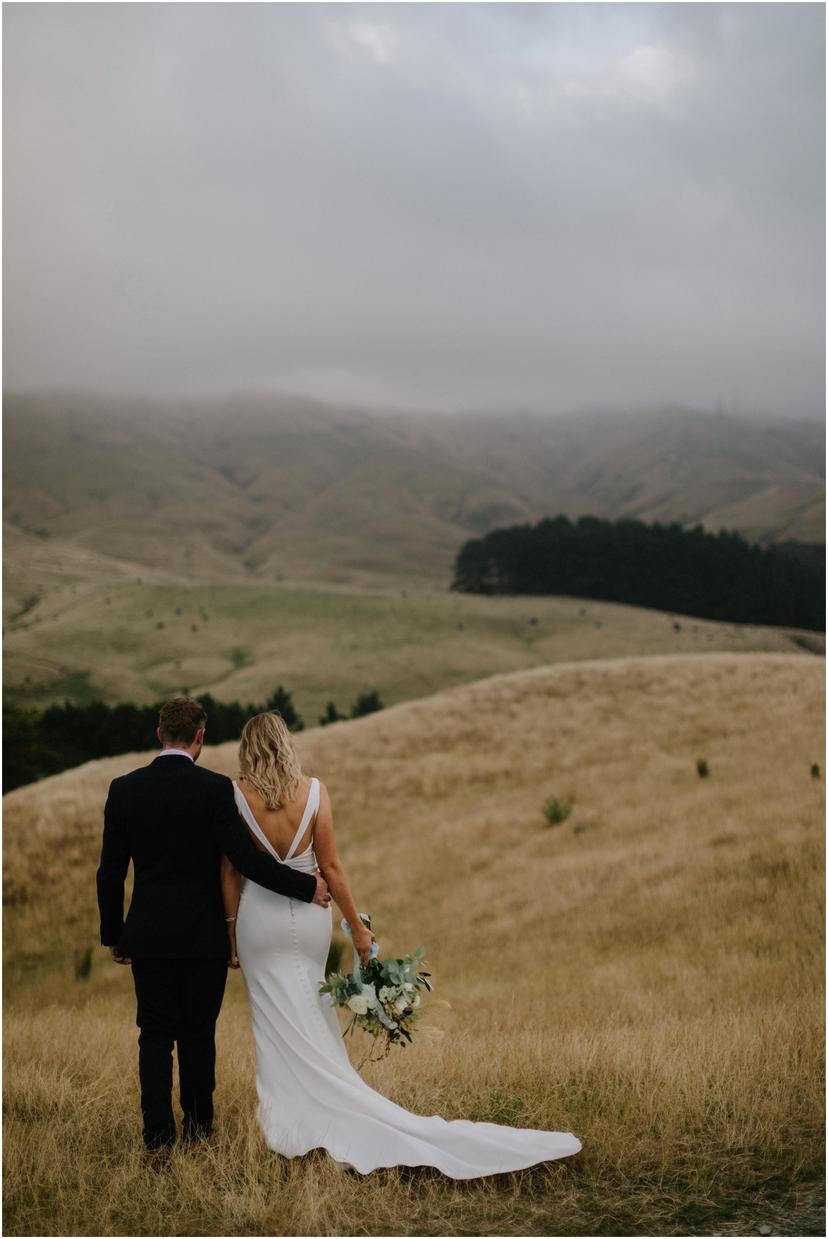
(250, 794)
(306, 788)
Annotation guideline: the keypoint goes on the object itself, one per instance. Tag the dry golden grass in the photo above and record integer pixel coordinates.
(647, 974)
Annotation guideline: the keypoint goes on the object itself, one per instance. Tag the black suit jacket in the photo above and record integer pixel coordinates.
(173, 820)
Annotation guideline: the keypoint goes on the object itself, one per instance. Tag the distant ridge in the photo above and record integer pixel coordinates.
(275, 487)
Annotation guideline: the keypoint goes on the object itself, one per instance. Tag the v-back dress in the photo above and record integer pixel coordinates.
(309, 1094)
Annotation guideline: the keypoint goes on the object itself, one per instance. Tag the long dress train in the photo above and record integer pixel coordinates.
(309, 1094)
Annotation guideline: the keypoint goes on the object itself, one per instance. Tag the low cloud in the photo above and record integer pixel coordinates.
(649, 75)
(447, 205)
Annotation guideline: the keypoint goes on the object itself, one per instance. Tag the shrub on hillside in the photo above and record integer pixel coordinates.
(556, 811)
(366, 703)
(282, 701)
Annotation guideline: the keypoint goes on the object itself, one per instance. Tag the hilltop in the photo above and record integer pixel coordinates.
(430, 779)
(647, 973)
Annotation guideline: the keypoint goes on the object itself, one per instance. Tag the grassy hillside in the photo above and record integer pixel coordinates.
(233, 545)
(121, 640)
(286, 488)
(647, 974)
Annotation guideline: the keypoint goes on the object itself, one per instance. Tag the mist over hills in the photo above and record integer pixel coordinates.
(279, 487)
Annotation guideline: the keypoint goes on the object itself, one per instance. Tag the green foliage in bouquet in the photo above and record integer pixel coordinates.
(383, 997)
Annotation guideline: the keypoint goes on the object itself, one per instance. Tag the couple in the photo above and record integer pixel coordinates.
(230, 873)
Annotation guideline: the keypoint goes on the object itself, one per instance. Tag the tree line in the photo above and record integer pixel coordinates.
(716, 576)
(38, 743)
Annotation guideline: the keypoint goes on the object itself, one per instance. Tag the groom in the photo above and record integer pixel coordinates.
(174, 820)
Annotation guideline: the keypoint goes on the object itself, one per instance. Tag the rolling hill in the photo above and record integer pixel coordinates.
(277, 487)
(648, 973)
(232, 545)
(119, 639)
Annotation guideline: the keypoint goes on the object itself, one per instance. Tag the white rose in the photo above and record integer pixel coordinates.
(384, 994)
(370, 995)
(358, 1003)
(400, 1005)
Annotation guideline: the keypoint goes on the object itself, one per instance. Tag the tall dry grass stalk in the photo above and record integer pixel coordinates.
(647, 974)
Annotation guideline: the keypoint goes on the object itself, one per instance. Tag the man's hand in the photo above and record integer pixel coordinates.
(119, 959)
(322, 896)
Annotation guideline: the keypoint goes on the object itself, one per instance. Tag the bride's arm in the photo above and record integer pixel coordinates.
(231, 885)
(333, 871)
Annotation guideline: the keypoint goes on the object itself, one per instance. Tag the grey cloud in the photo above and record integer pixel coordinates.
(446, 205)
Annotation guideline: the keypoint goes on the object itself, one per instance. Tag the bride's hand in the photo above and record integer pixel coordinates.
(233, 961)
(363, 939)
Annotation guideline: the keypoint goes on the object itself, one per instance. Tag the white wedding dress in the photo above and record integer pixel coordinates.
(309, 1094)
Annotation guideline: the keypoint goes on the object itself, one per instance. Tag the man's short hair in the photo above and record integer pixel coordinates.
(180, 719)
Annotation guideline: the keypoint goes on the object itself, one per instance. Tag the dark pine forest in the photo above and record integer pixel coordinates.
(717, 576)
(39, 743)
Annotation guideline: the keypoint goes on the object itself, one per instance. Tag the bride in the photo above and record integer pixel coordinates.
(309, 1094)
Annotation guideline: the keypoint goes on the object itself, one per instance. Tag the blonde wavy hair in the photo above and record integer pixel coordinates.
(267, 759)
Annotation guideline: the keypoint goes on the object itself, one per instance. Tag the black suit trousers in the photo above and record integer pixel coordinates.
(178, 1003)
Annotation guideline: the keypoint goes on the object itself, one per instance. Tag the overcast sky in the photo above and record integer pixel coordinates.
(438, 205)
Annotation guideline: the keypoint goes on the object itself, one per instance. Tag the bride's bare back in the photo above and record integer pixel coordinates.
(280, 825)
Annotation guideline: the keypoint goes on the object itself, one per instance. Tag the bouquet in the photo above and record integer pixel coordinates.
(383, 995)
